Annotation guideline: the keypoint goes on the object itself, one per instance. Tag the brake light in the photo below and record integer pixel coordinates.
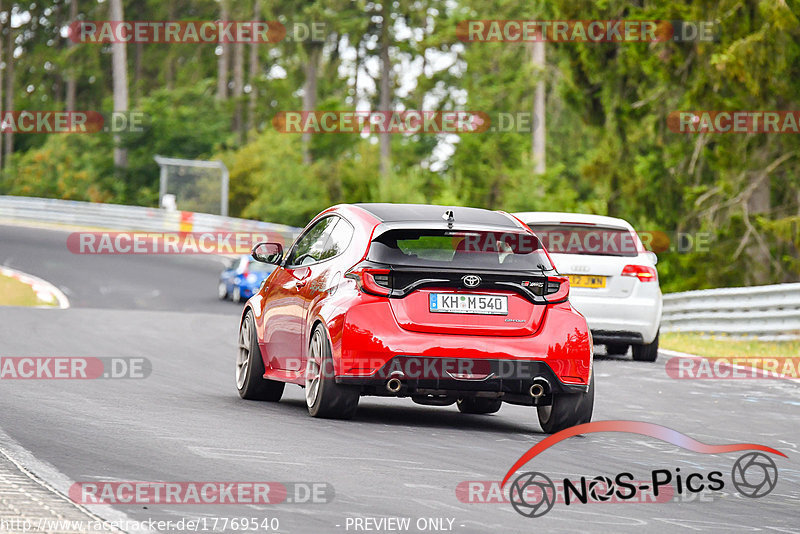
(374, 281)
(642, 272)
(556, 289)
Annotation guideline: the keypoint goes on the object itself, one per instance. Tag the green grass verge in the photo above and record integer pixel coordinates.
(15, 293)
(724, 347)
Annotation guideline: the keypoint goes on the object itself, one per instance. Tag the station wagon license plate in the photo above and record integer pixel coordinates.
(586, 280)
(472, 304)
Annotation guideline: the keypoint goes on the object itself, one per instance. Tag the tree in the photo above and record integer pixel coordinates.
(222, 58)
(386, 90)
(253, 72)
(71, 78)
(1, 72)
(313, 53)
(9, 79)
(538, 146)
(119, 65)
(238, 90)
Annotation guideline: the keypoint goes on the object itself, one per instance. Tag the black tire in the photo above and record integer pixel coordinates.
(567, 410)
(250, 381)
(324, 397)
(646, 353)
(237, 294)
(478, 405)
(616, 349)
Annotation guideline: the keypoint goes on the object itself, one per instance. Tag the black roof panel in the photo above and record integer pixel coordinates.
(428, 212)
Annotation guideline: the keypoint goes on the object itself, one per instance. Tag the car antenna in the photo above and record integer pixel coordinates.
(449, 217)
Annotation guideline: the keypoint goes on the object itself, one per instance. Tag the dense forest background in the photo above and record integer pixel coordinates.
(608, 147)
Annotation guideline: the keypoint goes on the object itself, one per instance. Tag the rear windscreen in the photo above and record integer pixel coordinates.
(588, 239)
(454, 249)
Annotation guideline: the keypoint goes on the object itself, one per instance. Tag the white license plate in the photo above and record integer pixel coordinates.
(474, 304)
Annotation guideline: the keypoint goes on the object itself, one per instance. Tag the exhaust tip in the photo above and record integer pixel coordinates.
(536, 391)
(393, 385)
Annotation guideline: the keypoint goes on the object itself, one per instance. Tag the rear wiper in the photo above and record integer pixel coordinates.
(543, 268)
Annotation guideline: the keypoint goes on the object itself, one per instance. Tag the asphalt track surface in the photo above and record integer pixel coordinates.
(185, 422)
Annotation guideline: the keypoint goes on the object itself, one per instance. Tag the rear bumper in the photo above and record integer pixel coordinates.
(373, 346)
(633, 320)
(464, 376)
(617, 336)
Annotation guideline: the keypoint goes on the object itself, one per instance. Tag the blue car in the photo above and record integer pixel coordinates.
(243, 278)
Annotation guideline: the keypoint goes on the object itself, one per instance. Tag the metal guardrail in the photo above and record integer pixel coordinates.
(131, 218)
(761, 311)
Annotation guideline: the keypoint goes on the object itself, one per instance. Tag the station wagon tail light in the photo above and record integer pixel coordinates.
(374, 281)
(642, 272)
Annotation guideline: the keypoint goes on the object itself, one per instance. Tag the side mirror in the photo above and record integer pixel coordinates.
(653, 257)
(268, 252)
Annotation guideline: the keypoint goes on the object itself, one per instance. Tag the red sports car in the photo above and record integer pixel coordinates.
(441, 304)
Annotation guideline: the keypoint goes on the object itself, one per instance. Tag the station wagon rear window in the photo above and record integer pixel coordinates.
(587, 239)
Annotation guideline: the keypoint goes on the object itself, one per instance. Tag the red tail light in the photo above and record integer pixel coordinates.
(642, 272)
(374, 281)
(556, 289)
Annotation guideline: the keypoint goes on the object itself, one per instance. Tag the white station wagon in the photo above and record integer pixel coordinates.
(613, 279)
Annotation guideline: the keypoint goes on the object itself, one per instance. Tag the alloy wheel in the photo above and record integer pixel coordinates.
(243, 359)
(313, 375)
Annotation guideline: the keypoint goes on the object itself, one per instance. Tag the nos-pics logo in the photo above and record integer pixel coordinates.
(533, 494)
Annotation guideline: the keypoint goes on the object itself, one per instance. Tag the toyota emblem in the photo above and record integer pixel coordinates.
(471, 280)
